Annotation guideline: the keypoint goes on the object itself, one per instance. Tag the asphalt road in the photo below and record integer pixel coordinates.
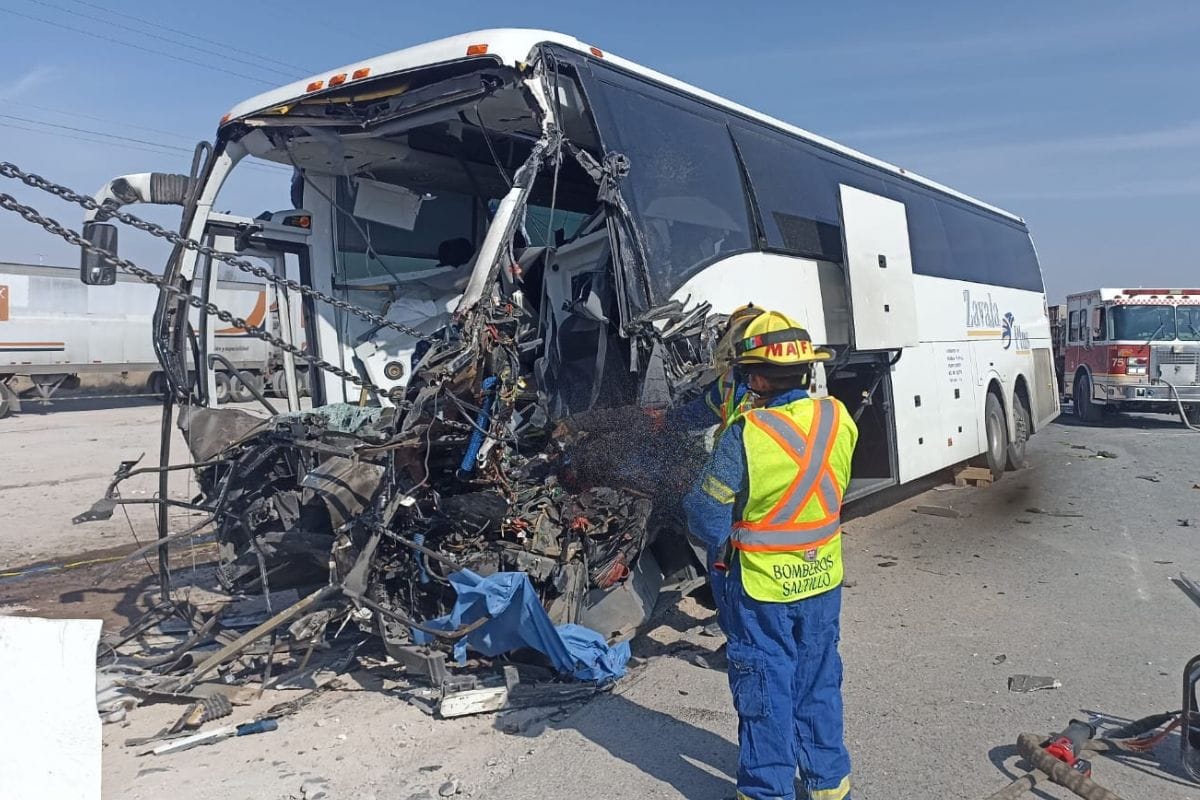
(939, 613)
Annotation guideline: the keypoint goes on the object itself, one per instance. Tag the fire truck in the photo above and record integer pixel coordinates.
(1133, 350)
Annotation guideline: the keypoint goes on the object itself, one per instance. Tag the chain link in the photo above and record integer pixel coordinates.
(30, 214)
(9, 170)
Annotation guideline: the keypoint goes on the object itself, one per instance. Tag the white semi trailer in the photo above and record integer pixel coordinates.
(54, 329)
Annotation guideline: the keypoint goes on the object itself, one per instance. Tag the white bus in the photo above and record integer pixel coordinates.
(530, 168)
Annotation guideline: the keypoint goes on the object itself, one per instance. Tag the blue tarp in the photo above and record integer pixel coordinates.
(518, 620)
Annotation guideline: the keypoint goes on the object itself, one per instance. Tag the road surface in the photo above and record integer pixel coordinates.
(1060, 570)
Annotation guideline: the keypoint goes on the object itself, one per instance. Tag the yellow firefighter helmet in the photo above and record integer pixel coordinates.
(774, 340)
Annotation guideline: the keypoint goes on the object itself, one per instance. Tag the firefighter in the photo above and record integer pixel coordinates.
(724, 398)
(767, 507)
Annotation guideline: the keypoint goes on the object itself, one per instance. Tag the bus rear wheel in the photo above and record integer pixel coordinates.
(995, 456)
(1022, 426)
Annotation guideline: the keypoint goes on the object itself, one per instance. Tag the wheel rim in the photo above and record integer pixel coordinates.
(994, 440)
(1022, 425)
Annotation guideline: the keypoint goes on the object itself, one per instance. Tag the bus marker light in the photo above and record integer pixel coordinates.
(477, 49)
(337, 80)
(315, 86)
(360, 73)
(225, 119)
(596, 51)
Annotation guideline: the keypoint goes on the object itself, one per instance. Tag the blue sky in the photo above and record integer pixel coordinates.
(1081, 117)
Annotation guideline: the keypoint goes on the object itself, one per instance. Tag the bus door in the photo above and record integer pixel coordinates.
(883, 317)
(284, 253)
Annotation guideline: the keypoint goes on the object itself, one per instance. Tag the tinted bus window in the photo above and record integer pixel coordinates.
(684, 186)
(796, 193)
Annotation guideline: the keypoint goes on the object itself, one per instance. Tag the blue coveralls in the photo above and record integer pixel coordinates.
(785, 671)
(702, 412)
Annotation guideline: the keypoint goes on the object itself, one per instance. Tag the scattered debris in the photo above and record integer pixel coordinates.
(1000, 659)
(886, 564)
(939, 511)
(1151, 478)
(1106, 454)
(217, 735)
(1163, 563)
(448, 789)
(1187, 523)
(203, 711)
(1031, 683)
(1044, 512)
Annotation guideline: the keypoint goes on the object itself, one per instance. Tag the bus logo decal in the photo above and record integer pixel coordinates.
(1010, 331)
(983, 316)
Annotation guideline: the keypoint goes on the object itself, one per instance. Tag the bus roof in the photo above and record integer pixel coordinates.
(514, 45)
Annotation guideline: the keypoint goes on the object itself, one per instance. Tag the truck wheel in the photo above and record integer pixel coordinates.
(10, 402)
(1085, 410)
(239, 391)
(304, 379)
(996, 454)
(222, 381)
(278, 383)
(1023, 424)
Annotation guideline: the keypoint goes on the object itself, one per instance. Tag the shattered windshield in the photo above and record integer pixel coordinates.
(1143, 323)
(385, 231)
(684, 183)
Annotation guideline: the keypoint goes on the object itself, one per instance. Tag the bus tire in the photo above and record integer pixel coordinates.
(1086, 411)
(222, 381)
(996, 430)
(1022, 426)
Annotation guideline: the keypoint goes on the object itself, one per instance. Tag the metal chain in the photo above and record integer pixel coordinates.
(30, 214)
(9, 170)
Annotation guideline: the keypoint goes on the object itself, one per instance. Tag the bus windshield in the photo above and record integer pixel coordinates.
(1143, 323)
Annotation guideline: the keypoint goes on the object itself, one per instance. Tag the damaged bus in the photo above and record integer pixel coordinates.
(507, 238)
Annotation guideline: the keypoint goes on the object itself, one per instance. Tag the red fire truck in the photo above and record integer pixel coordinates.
(1133, 350)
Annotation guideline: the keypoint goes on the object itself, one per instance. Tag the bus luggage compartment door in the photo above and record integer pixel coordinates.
(878, 270)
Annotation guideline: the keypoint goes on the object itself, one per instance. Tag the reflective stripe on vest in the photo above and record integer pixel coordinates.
(785, 526)
(731, 406)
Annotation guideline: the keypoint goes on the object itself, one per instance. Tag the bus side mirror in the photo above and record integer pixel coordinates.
(94, 270)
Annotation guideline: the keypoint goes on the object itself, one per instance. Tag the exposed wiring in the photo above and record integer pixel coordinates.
(370, 251)
(491, 148)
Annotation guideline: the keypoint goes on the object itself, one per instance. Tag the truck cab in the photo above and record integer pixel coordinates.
(1133, 350)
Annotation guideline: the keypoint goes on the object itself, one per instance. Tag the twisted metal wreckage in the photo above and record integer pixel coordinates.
(497, 456)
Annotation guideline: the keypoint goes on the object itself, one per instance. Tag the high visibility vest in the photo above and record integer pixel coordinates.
(789, 529)
(731, 407)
